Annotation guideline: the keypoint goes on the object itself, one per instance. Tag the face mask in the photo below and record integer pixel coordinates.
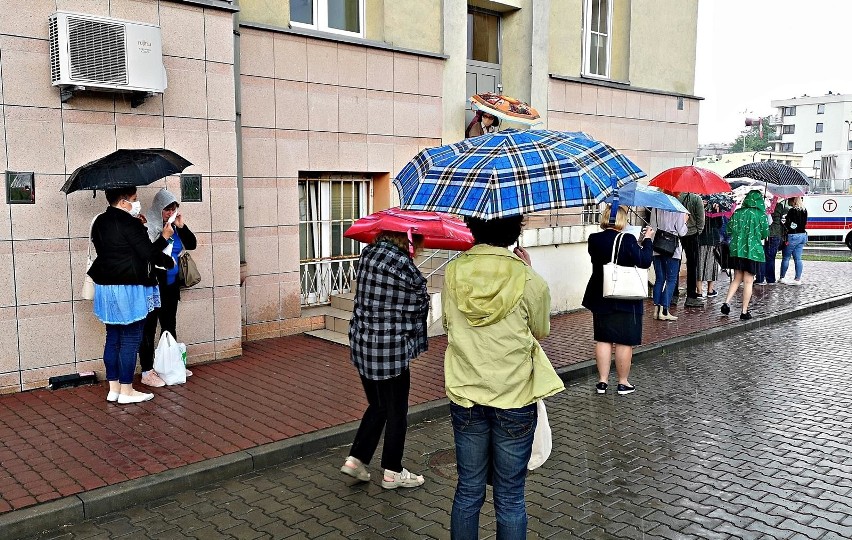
(135, 208)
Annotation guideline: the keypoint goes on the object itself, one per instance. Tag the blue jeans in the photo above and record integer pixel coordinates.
(122, 344)
(766, 272)
(496, 441)
(666, 270)
(795, 244)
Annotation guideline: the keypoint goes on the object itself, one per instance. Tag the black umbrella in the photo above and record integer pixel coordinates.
(771, 172)
(126, 167)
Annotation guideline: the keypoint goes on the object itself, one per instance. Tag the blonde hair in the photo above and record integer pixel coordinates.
(796, 202)
(620, 218)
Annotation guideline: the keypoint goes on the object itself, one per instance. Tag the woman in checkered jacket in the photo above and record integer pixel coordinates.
(387, 331)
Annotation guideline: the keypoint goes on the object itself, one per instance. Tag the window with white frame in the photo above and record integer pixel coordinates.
(788, 129)
(336, 16)
(821, 108)
(819, 127)
(817, 146)
(597, 32)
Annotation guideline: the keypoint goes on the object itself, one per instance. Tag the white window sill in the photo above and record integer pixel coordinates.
(554, 236)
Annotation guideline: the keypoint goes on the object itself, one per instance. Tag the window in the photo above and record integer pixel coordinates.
(821, 108)
(817, 146)
(597, 37)
(817, 163)
(788, 130)
(483, 36)
(819, 127)
(789, 111)
(787, 147)
(849, 145)
(328, 260)
(679, 103)
(337, 16)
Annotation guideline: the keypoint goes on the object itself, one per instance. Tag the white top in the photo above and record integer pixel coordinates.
(673, 222)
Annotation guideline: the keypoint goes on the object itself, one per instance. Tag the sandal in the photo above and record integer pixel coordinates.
(405, 479)
(354, 468)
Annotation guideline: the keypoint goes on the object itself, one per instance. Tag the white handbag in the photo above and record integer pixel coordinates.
(168, 360)
(542, 439)
(623, 282)
(88, 291)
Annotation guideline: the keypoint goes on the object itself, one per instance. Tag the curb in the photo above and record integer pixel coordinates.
(101, 501)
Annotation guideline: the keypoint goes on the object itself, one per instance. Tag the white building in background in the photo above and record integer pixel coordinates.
(813, 124)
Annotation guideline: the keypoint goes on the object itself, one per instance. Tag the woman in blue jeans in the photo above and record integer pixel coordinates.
(495, 308)
(794, 225)
(666, 269)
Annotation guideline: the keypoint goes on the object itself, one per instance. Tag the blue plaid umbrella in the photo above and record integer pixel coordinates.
(513, 172)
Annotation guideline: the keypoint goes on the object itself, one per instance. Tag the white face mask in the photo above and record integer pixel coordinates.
(135, 208)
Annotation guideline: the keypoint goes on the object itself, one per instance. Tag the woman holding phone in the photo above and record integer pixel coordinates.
(164, 211)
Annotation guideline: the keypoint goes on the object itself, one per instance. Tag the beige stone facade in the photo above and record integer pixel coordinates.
(45, 328)
(311, 105)
(306, 105)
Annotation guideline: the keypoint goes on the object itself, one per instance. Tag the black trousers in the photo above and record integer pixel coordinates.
(690, 251)
(166, 314)
(388, 411)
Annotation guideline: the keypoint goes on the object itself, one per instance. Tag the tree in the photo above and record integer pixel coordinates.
(751, 141)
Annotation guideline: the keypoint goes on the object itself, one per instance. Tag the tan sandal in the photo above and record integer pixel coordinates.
(354, 468)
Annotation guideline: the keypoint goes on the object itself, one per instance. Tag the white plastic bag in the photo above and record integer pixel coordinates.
(542, 439)
(168, 360)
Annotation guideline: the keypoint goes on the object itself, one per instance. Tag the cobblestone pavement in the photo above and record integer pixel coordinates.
(747, 437)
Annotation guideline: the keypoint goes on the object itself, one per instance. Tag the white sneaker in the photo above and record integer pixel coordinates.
(406, 479)
(795, 282)
(784, 280)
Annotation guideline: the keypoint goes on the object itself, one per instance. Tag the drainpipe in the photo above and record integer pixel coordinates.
(238, 131)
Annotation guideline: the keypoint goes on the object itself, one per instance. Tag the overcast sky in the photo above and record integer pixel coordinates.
(753, 51)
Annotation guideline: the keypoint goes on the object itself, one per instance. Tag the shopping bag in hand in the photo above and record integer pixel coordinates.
(542, 439)
(168, 360)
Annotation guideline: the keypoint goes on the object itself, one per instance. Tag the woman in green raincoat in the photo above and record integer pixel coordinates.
(748, 228)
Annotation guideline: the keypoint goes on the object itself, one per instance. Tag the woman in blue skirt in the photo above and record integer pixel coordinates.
(125, 286)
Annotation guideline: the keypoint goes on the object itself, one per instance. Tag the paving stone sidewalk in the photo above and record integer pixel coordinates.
(746, 437)
(58, 444)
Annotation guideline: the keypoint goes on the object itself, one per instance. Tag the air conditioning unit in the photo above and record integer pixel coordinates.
(88, 52)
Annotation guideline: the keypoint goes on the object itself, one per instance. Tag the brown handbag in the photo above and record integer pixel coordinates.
(188, 274)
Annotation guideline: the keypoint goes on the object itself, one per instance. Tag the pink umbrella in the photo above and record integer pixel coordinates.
(439, 231)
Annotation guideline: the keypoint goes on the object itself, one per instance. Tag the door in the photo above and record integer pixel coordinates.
(483, 55)
(327, 207)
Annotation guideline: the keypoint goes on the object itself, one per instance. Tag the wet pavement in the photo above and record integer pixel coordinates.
(744, 437)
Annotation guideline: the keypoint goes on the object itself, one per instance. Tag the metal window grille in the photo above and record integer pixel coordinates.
(327, 260)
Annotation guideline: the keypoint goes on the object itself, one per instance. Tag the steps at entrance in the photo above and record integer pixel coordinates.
(338, 313)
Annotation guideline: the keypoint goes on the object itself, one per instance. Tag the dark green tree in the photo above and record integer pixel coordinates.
(752, 141)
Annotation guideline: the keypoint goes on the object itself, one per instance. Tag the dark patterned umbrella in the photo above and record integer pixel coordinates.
(513, 172)
(771, 172)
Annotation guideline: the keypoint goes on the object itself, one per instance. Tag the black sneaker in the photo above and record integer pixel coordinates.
(745, 316)
(726, 309)
(624, 389)
(601, 387)
(712, 294)
(693, 302)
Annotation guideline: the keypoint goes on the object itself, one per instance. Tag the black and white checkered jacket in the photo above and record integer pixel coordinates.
(388, 326)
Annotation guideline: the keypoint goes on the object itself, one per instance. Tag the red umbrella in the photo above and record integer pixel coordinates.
(690, 179)
(439, 231)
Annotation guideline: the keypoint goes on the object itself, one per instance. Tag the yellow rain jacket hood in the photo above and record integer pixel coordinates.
(495, 307)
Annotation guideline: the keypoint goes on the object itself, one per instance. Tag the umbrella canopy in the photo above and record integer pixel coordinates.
(771, 172)
(126, 167)
(505, 107)
(635, 194)
(725, 202)
(782, 191)
(439, 231)
(513, 172)
(690, 179)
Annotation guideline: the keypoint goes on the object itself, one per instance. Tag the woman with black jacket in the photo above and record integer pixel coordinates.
(617, 323)
(795, 223)
(125, 286)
